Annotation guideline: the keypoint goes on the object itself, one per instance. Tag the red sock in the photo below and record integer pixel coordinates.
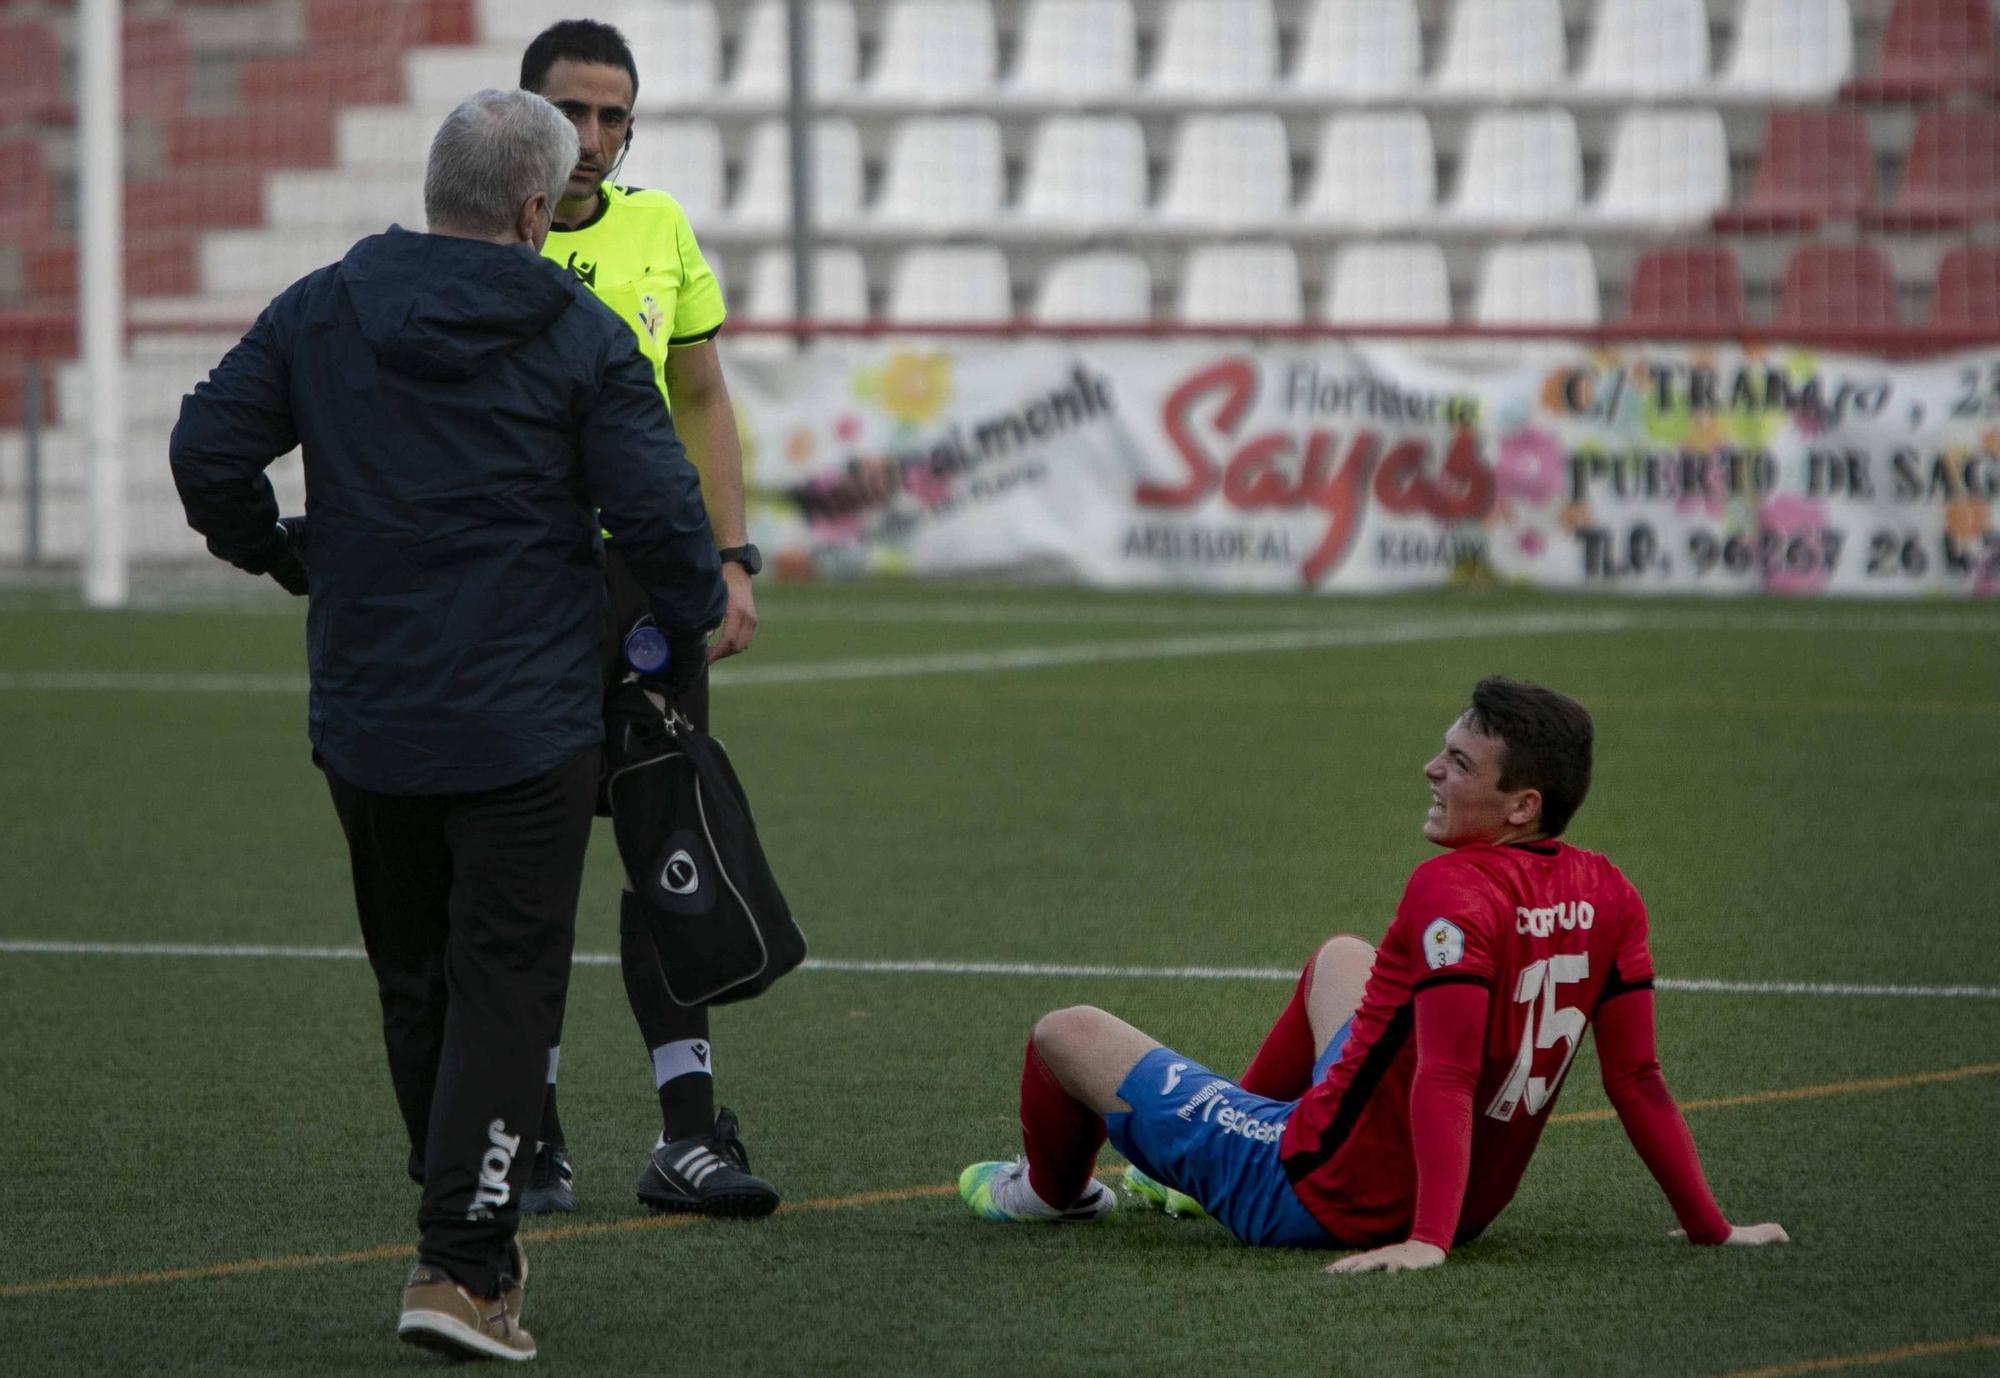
(1061, 1134)
(1282, 1068)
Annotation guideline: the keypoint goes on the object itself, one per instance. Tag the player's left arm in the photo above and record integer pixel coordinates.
(1451, 1030)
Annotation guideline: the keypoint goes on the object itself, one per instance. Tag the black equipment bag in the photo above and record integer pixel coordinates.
(719, 922)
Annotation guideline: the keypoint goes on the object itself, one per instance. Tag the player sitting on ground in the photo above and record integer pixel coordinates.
(1394, 1105)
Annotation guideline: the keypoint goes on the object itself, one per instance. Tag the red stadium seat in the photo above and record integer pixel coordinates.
(1831, 286)
(215, 198)
(30, 72)
(156, 63)
(323, 79)
(1952, 176)
(1694, 290)
(1967, 293)
(157, 264)
(29, 208)
(1931, 47)
(276, 138)
(1815, 165)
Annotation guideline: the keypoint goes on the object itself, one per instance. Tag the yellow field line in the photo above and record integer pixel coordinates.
(1929, 1349)
(248, 1266)
(1832, 1088)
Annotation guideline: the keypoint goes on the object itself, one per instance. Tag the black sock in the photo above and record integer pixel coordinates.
(687, 1100)
(552, 1130)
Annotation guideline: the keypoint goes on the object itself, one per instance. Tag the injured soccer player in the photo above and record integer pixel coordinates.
(1394, 1105)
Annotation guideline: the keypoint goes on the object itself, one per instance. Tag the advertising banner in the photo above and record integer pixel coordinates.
(1337, 466)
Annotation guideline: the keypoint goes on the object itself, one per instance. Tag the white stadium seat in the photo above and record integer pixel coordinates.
(676, 45)
(1216, 48)
(763, 51)
(1667, 168)
(1387, 284)
(682, 158)
(1249, 284)
(840, 286)
(966, 283)
(1228, 170)
(1086, 171)
(935, 50)
(1075, 48)
(766, 195)
(1359, 48)
(1374, 170)
(1791, 48)
(1552, 283)
(1502, 47)
(944, 172)
(1647, 47)
(1098, 288)
(1520, 168)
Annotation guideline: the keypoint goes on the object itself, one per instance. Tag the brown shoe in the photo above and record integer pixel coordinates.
(439, 1314)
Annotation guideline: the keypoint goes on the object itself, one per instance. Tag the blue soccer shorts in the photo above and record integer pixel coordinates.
(1201, 1133)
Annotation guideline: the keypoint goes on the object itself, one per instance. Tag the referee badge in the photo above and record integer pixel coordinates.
(649, 316)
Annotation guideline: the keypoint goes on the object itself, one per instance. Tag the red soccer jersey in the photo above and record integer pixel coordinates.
(1549, 929)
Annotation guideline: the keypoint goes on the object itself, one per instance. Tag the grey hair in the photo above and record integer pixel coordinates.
(492, 153)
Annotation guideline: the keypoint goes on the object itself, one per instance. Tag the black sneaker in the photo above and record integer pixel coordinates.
(551, 1185)
(709, 1175)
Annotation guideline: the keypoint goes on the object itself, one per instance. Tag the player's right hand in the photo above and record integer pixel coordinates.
(1750, 1236)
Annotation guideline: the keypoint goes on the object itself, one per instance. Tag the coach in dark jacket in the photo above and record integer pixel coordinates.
(462, 406)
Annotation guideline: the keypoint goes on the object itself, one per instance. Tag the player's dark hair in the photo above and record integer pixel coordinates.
(1545, 743)
(576, 40)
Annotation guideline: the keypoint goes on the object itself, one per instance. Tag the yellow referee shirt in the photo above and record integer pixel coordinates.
(638, 256)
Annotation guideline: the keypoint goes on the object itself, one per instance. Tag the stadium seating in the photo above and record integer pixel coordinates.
(763, 61)
(1932, 48)
(1647, 47)
(1503, 47)
(1076, 48)
(1837, 286)
(935, 50)
(1553, 283)
(1101, 287)
(765, 199)
(1387, 284)
(1358, 48)
(840, 286)
(1373, 170)
(1216, 48)
(1967, 292)
(1814, 165)
(30, 72)
(1669, 169)
(1692, 290)
(1789, 50)
(1085, 172)
(962, 284)
(684, 157)
(1952, 175)
(1228, 171)
(944, 172)
(1232, 284)
(1520, 169)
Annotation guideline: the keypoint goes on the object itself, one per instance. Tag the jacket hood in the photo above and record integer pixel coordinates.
(445, 308)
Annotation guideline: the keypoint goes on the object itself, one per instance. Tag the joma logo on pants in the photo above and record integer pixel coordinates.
(493, 1169)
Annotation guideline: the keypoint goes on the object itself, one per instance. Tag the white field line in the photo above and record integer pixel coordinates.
(29, 947)
(1261, 642)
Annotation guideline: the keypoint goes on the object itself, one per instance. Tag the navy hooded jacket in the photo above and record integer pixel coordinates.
(462, 407)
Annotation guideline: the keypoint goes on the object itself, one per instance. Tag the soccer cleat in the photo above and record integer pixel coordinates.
(709, 1175)
(439, 1314)
(1154, 1194)
(1000, 1191)
(551, 1183)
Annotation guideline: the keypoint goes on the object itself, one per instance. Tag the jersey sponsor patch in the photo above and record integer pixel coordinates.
(1444, 944)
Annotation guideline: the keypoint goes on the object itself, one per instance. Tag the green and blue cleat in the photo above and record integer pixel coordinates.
(1000, 1191)
(1153, 1194)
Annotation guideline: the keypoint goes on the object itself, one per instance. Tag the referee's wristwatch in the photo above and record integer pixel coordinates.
(748, 556)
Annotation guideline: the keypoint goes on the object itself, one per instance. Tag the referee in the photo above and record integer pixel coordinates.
(635, 250)
(463, 408)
